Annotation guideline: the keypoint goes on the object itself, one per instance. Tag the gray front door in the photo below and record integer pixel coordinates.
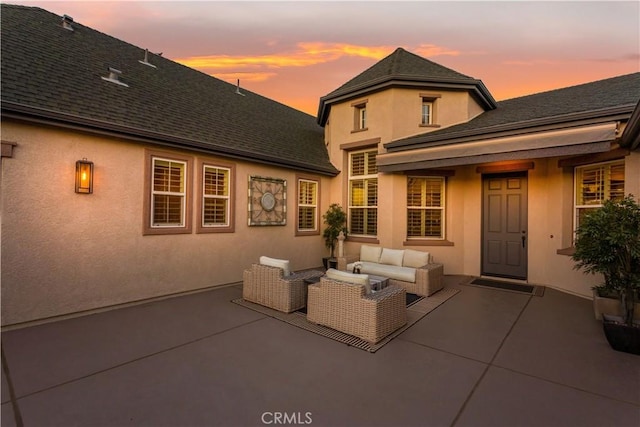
(504, 225)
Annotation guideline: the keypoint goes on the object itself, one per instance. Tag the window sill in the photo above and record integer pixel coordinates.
(428, 126)
(567, 251)
(307, 233)
(373, 240)
(427, 243)
(226, 229)
(149, 231)
(359, 130)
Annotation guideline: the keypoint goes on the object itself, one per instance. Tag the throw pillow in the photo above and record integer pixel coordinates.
(370, 253)
(392, 257)
(415, 259)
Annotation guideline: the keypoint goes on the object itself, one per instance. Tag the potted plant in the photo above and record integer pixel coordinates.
(335, 219)
(608, 242)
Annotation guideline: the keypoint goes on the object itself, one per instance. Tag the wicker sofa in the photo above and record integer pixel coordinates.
(270, 283)
(412, 270)
(349, 308)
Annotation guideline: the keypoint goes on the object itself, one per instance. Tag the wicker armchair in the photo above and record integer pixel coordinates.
(266, 285)
(347, 308)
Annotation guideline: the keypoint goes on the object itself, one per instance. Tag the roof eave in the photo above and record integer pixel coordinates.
(477, 89)
(32, 114)
(631, 135)
(546, 123)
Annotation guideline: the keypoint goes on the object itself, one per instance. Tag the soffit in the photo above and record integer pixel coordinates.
(572, 141)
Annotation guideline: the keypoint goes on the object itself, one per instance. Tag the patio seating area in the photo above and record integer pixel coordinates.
(486, 357)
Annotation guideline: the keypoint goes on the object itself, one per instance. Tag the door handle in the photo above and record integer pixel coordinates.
(523, 239)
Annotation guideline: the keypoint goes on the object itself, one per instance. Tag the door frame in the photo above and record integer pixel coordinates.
(486, 176)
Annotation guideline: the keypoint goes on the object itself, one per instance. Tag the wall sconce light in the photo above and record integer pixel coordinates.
(84, 176)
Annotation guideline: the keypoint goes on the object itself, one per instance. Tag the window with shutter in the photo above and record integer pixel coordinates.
(425, 207)
(363, 193)
(596, 183)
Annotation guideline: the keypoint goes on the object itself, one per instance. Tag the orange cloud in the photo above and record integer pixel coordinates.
(258, 68)
(245, 77)
(308, 54)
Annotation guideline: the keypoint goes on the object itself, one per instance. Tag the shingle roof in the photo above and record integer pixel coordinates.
(613, 96)
(49, 71)
(403, 67)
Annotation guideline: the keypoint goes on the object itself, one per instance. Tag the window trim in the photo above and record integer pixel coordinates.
(365, 177)
(308, 232)
(576, 173)
(442, 208)
(360, 122)
(230, 227)
(148, 228)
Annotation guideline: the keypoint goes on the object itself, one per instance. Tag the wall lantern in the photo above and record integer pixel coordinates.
(84, 176)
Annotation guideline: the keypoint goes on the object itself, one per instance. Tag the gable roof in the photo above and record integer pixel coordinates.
(402, 68)
(598, 101)
(55, 74)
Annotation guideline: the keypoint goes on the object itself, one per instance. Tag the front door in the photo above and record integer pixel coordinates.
(504, 225)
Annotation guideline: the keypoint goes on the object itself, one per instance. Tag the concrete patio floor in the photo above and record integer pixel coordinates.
(484, 358)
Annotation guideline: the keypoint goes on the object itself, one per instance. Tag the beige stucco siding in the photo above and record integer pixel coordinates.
(550, 223)
(64, 252)
(396, 114)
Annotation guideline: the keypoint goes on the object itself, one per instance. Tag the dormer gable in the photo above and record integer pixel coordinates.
(403, 69)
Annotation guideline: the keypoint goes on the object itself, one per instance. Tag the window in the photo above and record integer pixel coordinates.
(427, 115)
(307, 206)
(429, 109)
(363, 193)
(359, 115)
(425, 207)
(167, 186)
(169, 195)
(362, 117)
(216, 198)
(596, 183)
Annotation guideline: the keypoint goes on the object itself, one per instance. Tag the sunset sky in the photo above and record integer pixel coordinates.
(296, 52)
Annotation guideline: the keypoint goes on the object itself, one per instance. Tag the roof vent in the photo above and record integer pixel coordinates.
(114, 77)
(145, 61)
(238, 89)
(66, 22)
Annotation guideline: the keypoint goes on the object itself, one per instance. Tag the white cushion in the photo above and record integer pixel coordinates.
(274, 262)
(344, 276)
(405, 274)
(415, 259)
(392, 257)
(370, 253)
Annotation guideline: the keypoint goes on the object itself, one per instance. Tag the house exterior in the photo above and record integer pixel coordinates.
(432, 162)
(126, 176)
(193, 178)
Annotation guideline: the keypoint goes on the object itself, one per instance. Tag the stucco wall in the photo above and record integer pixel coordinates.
(64, 252)
(550, 223)
(396, 113)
